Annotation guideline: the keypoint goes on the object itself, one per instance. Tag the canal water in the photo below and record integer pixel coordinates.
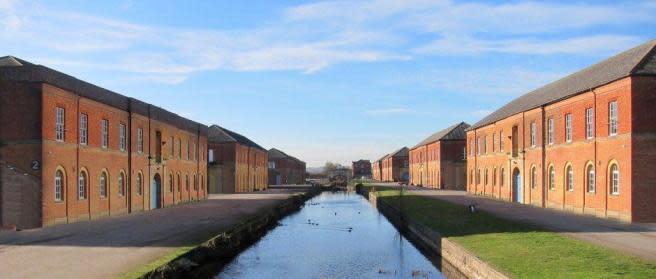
(335, 235)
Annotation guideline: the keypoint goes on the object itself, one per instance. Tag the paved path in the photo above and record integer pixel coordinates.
(636, 239)
(108, 247)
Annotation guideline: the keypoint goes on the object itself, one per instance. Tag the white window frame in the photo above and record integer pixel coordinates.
(614, 180)
(122, 136)
(82, 186)
(84, 129)
(569, 178)
(59, 186)
(589, 123)
(550, 131)
(590, 173)
(501, 140)
(478, 147)
(102, 184)
(60, 124)
(552, 178)
(568, 127)
(534, 134)
(612, 118)
(104, 133)
(494, 142)
(139, 184)
(121, 184)
(140, 140)
(534, 177)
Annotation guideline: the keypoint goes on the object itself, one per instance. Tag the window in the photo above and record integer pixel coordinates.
(494, 177)
(59, 124)
(179, 148)
(82, 186)
(501, 140)
(534, 134)
(485, 144)
(121, 137)
(140, 140)
(172, 143)
(569, 178)
(478, 148)
(139, 184)
(502, 177)
(589, 123)
(550, 131)
(179, 182)
(210, 156)
(478, 177)
(614, 179)
(84, 129)
(59, 186)
(104, 133)
(121, 184)
(471, 176)
(187, 183)
(612, 118)
(171, 183)
(103, 185)
(195, 183)
(464, 153)
(494, 141)
(472, 147)
(534, 177)
(485, 177)
(568, 127)
(188, 149)
(591, 178)
(552, 178)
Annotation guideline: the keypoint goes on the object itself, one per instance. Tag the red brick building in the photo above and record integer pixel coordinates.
(584, 143)
(72, 151)
(377, 169)
(439, 161)
(236, 163)
(285, 169)
(361, 168)
(394, 166)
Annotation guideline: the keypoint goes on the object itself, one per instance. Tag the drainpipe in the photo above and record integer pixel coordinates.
(543, 155)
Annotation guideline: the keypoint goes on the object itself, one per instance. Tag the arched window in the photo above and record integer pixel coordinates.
(59, 185)
(179, 182)
(195, 183)
(485, 177)
(82, 186)
(471, 176)
(552, 178)
(478, 178)
(494, 177)
(103, 184)
(614, 179)
(590, 175)
(139, 184)
(171, 182)
(569, 178)
(202, 183)
(121, 184)
(502, 177)
(534, 177)
(187, 183)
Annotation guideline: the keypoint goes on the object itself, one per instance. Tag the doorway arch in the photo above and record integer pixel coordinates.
(156, 192)
(517, 186)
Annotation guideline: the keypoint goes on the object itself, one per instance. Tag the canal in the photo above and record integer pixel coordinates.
(334, 235)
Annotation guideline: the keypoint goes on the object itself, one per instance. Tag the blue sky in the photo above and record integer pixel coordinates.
(324, 80)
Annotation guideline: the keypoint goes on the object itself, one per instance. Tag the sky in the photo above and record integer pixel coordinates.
(324, 80)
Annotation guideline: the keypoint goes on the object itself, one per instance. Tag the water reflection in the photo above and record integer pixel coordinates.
(335, 235)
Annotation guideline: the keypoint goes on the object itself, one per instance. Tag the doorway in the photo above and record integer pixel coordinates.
(517, 186)
(156, 192)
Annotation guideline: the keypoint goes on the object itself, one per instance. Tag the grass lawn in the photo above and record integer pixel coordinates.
(518, 249)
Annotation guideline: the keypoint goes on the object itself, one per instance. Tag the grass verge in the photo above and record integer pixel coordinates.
(142, 270)
(519, 249)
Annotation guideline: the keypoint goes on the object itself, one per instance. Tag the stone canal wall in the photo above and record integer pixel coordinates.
(455, 255)
(207, 259)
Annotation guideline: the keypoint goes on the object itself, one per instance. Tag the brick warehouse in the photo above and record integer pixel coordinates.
(236, 163)
(394, 166)
(585, 143)
(377, 169)
(285, 169)
(361, 168)
(74, 151)
(439, 161)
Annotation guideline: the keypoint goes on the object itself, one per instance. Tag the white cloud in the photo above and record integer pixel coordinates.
(389, 111)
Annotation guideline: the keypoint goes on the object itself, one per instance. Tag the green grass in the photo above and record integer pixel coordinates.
(142, 270)
(518, 249)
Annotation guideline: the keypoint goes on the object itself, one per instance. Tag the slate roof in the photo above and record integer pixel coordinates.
(218, 134)
(362, 161)
(455, 132)
(639, 60)
(277, 154)
(16, 69)
(403, 151)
